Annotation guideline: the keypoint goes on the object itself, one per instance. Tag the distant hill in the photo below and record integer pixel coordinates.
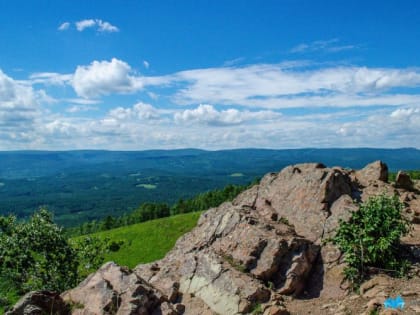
(24, 164)
(86, 185)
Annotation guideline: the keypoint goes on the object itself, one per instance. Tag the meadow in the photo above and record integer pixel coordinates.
(147, 241)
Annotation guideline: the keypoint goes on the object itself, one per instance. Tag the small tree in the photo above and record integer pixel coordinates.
(371, 238)
(90, 253)
(36, 255)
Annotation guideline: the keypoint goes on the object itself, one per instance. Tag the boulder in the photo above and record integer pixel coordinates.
(376, 171)
(40, 302)
(116, 290)
(404, 181)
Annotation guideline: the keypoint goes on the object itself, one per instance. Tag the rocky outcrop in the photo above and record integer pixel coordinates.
(41, 302)
(376, 171)
(116, 290)
(248, 255)
(404, 181)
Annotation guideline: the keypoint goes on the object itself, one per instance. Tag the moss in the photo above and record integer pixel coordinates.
(235, 264)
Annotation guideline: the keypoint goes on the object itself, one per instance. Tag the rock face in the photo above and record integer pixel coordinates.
(403, 180)
(247, 255)
(115, 290)
(42, 302)
(376, 171)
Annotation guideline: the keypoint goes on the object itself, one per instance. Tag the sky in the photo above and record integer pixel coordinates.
(137, 75)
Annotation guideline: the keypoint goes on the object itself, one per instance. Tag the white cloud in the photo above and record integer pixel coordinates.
(271, 86)
(82, 25)
(81, 108)
(333, 100)
(100, 25)
(20, 108)
(14, 94)
(233, 62)
(265, 84)
(81, 101)
(104, 26)
(140, 111)
(64, 26)
(274, 86)
(330, 46)
(382, 129)
(404, 113)
(235, 119)
(50, 78)
(152, 95)
(207, 114)
(105, 77)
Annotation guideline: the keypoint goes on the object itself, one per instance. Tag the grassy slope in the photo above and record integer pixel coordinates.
(148, 241)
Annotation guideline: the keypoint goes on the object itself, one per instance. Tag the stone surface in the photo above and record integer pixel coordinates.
(403, 180)
(41, 302)
(115, 290)
(375, 304)
(376, 171)
(276, 310)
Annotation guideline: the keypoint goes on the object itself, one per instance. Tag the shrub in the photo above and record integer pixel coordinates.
(371, 238)
(36, 255)
(90, 252)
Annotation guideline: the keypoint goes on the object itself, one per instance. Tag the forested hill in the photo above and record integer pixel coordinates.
(22, 164)
(84, 185)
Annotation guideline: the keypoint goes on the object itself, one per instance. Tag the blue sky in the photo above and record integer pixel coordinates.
(135, 75)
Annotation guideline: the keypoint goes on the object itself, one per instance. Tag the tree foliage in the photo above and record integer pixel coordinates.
(36, 255)
(154, 210)
(371, 238)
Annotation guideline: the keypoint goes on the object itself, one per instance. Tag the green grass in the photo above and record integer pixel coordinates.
(236, 175)
(8, 295)
(148, 241)
(147, 186)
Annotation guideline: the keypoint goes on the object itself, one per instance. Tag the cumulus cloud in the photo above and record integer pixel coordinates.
(207, 114)
(14, 94)
(20, 108)
(403, 113)
(383, 129)
(105, 77)
(140, 111)
(104, 26)
(100, 25)
(64, 26)
(244, 111)
(84, 24)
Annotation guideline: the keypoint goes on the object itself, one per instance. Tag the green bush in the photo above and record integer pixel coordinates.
(36, 255)
(90, 252)
(371, 238)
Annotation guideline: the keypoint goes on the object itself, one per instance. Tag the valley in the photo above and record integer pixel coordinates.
(81, 186)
